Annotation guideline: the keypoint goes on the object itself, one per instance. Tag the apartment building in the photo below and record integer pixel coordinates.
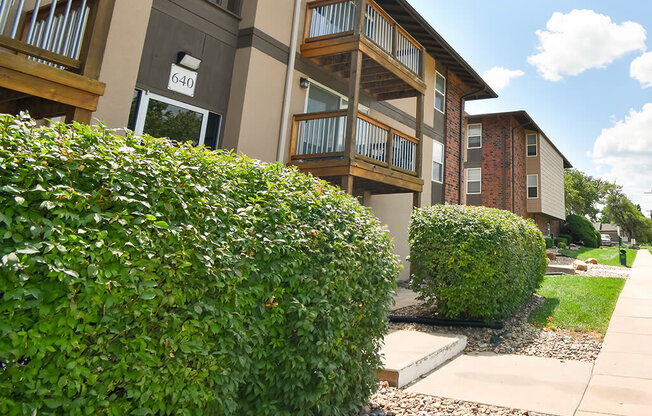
(364, 94)
(511, 164)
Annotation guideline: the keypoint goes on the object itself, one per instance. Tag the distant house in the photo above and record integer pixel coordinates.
(511, 164)
(614, 231)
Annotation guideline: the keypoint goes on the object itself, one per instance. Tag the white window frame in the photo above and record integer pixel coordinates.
(145, 96)
(436, 143)
(443, 110)
(343, 98)
(536, 145)
(527, 187)
(468, 132)
(467, 181)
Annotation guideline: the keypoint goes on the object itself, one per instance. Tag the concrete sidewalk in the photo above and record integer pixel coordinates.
(621, 383)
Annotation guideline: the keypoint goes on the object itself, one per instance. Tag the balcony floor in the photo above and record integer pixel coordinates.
(382, 76)
(367, 177)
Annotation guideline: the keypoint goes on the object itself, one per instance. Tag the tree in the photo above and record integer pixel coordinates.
(620, 210)
(584, 193)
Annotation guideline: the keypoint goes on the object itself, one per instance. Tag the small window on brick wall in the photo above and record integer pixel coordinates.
(531, 144)
(473, 181)
(474, 136)
(532, 186)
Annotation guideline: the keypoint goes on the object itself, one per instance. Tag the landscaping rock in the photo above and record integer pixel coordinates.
(592, 261)
(580, 265)
(551, 255)
(548, 261)
(397, 402)
(517, 336)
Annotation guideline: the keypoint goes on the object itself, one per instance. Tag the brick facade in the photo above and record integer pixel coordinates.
(520, 178)
(455, 90)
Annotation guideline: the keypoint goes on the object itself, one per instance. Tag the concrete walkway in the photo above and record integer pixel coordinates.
(621, 383)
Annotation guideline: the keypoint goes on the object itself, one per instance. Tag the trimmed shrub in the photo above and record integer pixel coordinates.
(561, 244)
(142, 277)
(561, 240)
(582, 231)
(568, 238)
(549, 242)
(475, 262)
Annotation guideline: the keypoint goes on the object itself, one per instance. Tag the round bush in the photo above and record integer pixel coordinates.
(141, 277)
(475, 262)
(582, 231)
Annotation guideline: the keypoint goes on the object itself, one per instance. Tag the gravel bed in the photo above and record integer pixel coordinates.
(595, 270)
(517, 337)
(389, 401)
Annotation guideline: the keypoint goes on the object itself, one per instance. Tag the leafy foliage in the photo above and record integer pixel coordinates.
(582, 231)
(141, 277)
(561, 240)
(549, 242)
(583, 193)
(620, 210)
(475, 262)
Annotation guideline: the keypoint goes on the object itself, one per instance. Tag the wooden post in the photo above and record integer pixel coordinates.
(79, 115)
(347, 184)
(419, 135)
(95, 38)
(416, 199)
(354, 85)
(390, 147)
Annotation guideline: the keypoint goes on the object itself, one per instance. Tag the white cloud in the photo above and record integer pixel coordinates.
(641, 69)
(625, 151)
(498, 77)
(583, 39)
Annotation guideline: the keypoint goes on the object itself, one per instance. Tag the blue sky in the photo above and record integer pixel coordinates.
(569, 64)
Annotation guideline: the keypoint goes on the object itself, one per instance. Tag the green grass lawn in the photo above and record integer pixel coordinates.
(577, 303)
(607, 255)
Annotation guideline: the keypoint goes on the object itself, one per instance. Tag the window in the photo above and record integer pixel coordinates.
(164, 117)
(440, 92)
(531, 144)
(532, 186)
(321, 98)
(437, 162)
(474, 136)
(230, 5)
(473, 181)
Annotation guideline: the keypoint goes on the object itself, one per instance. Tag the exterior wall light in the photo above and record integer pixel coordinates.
(304, 82)
(188, 61)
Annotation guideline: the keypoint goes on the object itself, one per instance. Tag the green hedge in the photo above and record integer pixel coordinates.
(567, 237)
(549, 242)
(561, 240)
(476, 262)
(582, 231)
(138, 277)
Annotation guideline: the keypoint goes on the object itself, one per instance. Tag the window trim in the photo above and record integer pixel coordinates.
(468, 131)
(467, 181)
(527, 186)
(536, 145)
(443, 111)
(436, 143)
(143, 104)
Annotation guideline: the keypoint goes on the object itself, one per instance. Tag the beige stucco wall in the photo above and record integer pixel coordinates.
(533, 167)
(552, 180)
(121, 60)
(274, 17)
(254, 116)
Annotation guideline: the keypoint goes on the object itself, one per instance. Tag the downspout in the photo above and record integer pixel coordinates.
(461, 177)
(285, 112)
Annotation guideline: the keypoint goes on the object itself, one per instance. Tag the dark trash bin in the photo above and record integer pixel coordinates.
(623, 257)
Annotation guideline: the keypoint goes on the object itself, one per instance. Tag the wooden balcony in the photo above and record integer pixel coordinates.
(50, 56)
(382, 160)
(392, 60)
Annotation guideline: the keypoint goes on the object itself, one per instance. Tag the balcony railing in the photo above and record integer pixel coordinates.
(52, 33)
(334, 18)
(321, 136)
